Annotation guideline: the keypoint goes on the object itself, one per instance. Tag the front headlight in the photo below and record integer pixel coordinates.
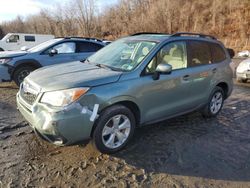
(63, 97)
(5, 60)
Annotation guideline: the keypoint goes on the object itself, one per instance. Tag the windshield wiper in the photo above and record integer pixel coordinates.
(109, 67)
(102, 65)
(84, 60)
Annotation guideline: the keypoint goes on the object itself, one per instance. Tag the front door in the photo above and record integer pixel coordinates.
(171, 93)
(66, 52)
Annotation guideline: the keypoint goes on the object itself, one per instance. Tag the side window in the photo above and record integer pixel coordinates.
(64, 48)
(29, 38)
(13, 38)
(218, 53)
(85, 47)
(199, 53)
(174, 53)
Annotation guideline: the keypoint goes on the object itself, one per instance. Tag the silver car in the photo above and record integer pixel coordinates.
(243, 71)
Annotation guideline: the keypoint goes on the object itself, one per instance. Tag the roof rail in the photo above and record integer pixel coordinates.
(178, 34)
(86, 38)
(150, 33)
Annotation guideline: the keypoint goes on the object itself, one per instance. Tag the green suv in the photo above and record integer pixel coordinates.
(134, 81)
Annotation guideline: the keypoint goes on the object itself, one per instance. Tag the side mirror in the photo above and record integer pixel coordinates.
(24, 48)
(53, 52)
(162, 69)
(231, 52)
(8, 40)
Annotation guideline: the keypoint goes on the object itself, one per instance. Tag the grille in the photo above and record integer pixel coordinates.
(28, 93)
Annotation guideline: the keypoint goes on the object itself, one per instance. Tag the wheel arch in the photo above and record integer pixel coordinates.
(27, 62)
(224, 86)
(130, 104)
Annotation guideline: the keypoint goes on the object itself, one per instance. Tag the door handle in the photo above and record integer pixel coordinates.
(186, 77)
(214, 70)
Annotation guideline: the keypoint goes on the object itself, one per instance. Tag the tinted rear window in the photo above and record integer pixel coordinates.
(218, 53)
(199, 53)
(29, 38)
(88, 47)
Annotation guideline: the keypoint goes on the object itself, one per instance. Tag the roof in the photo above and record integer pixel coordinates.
(150, 37)
(159, 37)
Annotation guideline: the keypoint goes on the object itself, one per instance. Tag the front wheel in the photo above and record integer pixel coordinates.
(215, 103)
(244, 80)
(114, 128)
(21, 73)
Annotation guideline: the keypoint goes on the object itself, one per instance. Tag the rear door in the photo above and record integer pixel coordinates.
(201, 70)
(84, 49)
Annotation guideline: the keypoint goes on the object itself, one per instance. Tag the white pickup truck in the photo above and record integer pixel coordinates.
(16, 41)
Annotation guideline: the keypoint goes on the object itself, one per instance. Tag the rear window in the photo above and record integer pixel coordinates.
(199, 53)
(218, 53)
(29, 38)
(88, 47)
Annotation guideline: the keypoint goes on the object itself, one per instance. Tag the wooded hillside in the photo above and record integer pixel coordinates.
(229, 20)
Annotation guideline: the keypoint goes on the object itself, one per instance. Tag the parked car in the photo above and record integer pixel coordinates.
(16, 41)
(17, 65)
(243, 71)
(108, 96)
(244, 53)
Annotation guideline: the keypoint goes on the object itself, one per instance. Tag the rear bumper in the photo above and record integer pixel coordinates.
(64, 127)
(4, 74)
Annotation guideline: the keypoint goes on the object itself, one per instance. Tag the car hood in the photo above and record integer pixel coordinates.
(71, 75)
(11, 54)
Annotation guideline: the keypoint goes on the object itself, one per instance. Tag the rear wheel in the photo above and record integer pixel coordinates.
(1, 49)
(215, 103)
(21, 73)
(114, 128)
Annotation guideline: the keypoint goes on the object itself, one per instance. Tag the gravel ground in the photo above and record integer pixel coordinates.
(188, 151)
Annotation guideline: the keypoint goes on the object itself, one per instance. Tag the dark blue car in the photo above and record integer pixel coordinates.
(16, 65)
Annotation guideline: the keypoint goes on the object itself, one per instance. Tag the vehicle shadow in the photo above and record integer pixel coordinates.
(8, 85)
(217, 148)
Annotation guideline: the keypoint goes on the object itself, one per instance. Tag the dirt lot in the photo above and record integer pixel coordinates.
(188, 151)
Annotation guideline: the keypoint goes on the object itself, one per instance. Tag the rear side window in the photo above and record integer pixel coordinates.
(199, 53)
(88, 47)
(29, 38)
(218, 53)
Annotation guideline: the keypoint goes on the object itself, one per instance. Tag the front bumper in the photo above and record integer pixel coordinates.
(4, 74)
(61, 127)
(244, 75)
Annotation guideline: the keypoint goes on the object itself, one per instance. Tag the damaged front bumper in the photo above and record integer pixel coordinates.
(63, 126)
(4, 74)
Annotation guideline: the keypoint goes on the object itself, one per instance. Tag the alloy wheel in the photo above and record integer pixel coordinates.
(116, 131)
(216, 102)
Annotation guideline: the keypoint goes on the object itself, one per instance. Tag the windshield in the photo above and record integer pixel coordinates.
(6, 37)
(43, 45)
(123, 54)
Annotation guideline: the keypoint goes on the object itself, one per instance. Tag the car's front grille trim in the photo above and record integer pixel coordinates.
(28, 93)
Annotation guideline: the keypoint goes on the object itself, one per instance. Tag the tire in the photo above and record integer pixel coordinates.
(1, 50)
(213, 107)
(244, 80)
(21, 73)
(107, 136)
